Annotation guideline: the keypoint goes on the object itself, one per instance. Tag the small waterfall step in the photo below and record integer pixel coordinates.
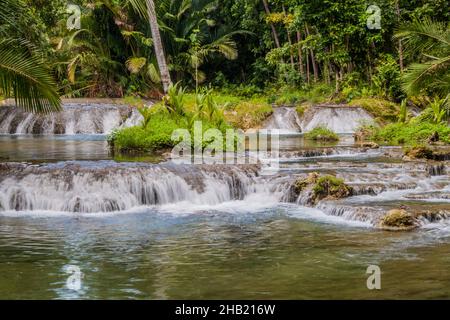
(75, 118)
(342, 119)
(284, 119)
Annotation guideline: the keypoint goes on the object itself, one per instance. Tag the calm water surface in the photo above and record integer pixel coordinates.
(270, 254)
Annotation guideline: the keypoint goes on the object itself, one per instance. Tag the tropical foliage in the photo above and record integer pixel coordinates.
(23, 74)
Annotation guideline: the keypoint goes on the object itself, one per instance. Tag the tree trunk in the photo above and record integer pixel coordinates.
(274, 31)
(313, 59)
(300, 54)
(308, 70)
(400, 45)
(157, 44)
(291, 51)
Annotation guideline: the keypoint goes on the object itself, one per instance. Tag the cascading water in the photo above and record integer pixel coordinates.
(284, 119)
(340, 119)
(74, 119)
(107, 186)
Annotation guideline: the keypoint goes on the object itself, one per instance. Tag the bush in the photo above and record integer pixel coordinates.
(301, 110)
(322, 134)
(387, 79)
(164, 118)
(155, 135)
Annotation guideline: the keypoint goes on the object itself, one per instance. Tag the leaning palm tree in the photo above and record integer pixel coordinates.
(148, 6)
(430, 42)
(23, 75)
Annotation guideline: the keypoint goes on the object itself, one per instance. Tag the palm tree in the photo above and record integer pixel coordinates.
(157, 43)
(23, 75)
(189, 36)
(430, 41)
(148, 7)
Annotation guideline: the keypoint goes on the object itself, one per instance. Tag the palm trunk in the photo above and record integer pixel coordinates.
(157, 43)
(274, 31)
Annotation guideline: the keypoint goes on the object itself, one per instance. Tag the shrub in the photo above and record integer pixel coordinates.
(322, 134)
(155, 135)
(412, 133)
(387, 79)
(164, 118)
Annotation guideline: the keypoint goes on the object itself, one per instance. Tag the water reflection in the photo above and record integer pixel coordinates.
(266, 254)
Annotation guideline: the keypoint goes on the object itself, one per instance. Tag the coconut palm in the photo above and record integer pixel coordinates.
(188, 35)
(430, 41)
(148, 6)
(23, 75)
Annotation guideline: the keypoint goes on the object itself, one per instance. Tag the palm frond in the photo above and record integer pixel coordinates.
(135, 64)
(26, 78)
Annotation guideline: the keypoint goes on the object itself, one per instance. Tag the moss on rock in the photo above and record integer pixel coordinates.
(419, 152)
(318, 188)
(398, 219)
(331, 187)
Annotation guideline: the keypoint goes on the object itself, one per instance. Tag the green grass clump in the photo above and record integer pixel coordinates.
(301, 110)
(384, 111)
(248, 114)
(172, 113)
(322, 134)
(156, 134)
(412, 133)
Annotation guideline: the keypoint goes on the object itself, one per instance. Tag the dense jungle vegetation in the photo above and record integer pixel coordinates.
(241, 58)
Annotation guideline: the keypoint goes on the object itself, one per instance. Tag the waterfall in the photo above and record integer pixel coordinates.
(340, 119)
(284, 119)
(73, 119)
(106, 186)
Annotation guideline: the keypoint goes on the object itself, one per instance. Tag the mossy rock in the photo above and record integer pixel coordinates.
(301, 185)
(370, 145)
(419, 152)
(332, 188)
(398, 220)
(318, 188)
